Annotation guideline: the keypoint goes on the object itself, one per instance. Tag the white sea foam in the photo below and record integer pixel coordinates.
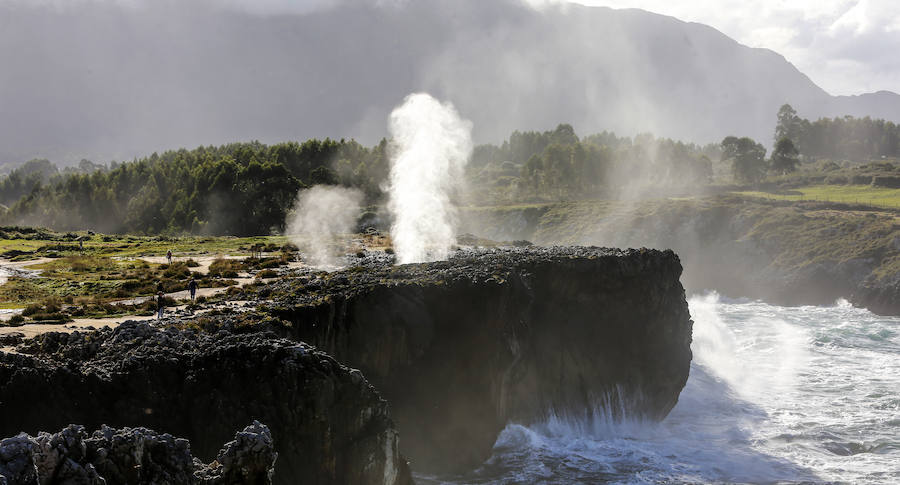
(775, 394)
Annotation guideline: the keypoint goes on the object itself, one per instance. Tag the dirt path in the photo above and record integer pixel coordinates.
(19, 268)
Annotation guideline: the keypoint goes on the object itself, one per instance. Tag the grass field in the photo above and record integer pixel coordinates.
(83, 266)
(848, 194)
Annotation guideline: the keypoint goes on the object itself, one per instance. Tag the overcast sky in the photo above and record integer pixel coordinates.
(844, 46)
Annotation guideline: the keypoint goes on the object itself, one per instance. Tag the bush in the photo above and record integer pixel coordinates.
(48, 317)
(32, 309)
(190, 263)
(224, 268)
(16, 320)
(177, 270)
(267, 273)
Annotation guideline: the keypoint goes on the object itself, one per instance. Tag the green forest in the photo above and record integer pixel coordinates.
(248, 188)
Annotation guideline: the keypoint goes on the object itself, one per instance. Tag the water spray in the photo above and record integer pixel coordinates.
(431, 147)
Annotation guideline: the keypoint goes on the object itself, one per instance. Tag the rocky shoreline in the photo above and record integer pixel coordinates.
(447, 354)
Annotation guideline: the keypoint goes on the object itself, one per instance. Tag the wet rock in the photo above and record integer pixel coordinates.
(135, 456)
(328, 424)
(462, 347)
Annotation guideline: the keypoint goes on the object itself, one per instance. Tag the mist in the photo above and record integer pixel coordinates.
(432, 145)
(322, 218)
(115, 80)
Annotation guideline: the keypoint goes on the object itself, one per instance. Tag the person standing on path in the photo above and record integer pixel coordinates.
(192, 287)
(169, 256)
(160, 304)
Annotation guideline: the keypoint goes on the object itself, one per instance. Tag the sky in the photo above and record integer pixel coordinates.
(845, 46)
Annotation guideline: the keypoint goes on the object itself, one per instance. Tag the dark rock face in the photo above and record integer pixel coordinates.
(462, 347)
(135, 456)
(328, 424)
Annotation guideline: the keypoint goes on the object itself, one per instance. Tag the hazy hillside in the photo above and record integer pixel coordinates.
(99, 80)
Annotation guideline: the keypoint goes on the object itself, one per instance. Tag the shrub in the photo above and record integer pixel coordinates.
(16, 320)
(32, 309)
(224, 268)
(48, 316)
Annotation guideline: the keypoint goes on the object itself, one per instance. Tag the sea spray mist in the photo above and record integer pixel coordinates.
(431, 145)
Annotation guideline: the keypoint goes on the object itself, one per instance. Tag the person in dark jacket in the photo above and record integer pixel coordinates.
(160, 304)
(192, 287)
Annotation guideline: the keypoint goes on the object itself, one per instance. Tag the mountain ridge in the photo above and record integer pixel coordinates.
(106, 81)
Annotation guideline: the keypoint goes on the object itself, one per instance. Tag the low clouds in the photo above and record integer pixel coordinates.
(845, 46)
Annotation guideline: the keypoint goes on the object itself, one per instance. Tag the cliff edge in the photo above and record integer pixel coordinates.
(462, 347)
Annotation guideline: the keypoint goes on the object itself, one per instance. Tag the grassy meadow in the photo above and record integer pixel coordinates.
(847, 194)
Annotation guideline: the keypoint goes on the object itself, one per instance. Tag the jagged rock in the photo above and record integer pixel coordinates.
(462, 347)
(134, 456)
(328, 424)
(12, 338)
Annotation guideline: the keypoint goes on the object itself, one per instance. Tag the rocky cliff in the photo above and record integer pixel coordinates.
(328, 424)
(134, 456)
(462, 347)
(783, 252)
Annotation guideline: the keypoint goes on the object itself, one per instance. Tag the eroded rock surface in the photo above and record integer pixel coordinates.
(328, 424)
(135, 456)
(462, 347)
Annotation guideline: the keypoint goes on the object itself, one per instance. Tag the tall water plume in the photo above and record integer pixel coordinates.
(322, 216)
(431, 146)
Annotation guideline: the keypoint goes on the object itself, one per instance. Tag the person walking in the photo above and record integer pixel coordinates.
(192, 287)
(169, 256)
(160, 304)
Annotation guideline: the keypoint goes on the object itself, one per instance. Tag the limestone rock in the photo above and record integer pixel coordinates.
(462, 347)
(134, 456)
(329, 425)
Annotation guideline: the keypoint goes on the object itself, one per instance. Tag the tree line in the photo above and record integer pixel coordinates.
(840, 138)
(248, 188)
(558, 165)
(239, 188)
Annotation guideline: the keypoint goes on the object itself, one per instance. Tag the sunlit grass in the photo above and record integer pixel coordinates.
(113, 267)
(848, 194)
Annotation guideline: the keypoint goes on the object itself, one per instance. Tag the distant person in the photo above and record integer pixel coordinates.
(160, 304)
(192, 287)
(159, 286)
(169, 256)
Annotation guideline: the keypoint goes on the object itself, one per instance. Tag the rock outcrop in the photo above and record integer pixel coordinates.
(135, 456)
(786, 253)
(328, 424)
(462, 347)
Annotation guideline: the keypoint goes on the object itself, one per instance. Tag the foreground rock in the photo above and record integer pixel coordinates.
(135, 456)
(462, 347)
(328, 424)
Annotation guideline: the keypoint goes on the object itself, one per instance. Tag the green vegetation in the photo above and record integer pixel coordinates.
(249, 188)
(242, 188)
(846, 138)
(847, 194)
(85, 277)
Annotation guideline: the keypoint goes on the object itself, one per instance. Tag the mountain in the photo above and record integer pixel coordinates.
(103, 79)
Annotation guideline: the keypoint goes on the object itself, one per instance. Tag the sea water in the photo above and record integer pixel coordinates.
(775, 394)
